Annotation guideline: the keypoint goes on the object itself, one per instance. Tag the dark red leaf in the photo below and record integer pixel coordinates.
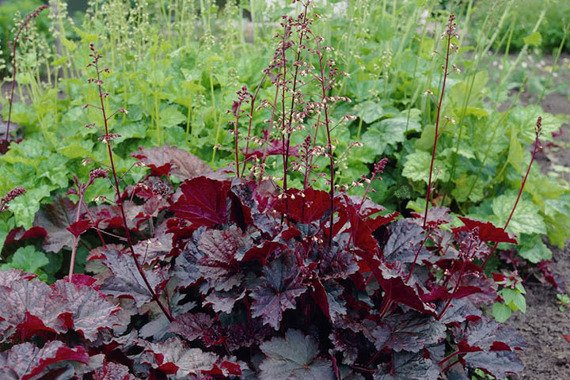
(203, 201)
(19, 235)
(79, 227)
(304, 206)
(566, 337)
(486, 231)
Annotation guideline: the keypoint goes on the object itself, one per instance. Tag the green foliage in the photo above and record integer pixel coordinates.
(518, 29)
(28, 260)
(512, 299)
(176, 68)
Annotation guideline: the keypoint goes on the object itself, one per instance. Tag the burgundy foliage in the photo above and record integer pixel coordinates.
(256, 293)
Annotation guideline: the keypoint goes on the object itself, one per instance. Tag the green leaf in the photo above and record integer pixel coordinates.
(6, 225)
(417, 166)
(533, 39)
(25, 207)
(27, 259)
(389, 132)
(533, 249)
(369, 111)
(501, 312)
(477, 112)
(468, 187)
(526, 219)
(82, 149)
(170, 117)
(516, 151)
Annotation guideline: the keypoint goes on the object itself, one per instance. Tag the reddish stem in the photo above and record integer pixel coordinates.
(448, 303)
(416, 257)
(532, 157)
(250, 123)
(102, 96)
(438, 117)
(329, 140)
(287, 135)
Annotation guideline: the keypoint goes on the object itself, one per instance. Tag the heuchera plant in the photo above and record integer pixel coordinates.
(236, 274)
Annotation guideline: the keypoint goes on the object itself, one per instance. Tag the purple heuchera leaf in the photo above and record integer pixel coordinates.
(409, 366)
(125, 280)
(294, 357)
(55, 218)
(7, 277)
(203, 201)
(90, 312)
(171, 160)
(436, 216)
(174, 357)
(250, 334)
(404, 242)
(496, 363)
(29, 306)
(460, 310)
(223, 302)
(408, 332)
(27, 361)
(488, 335)
(194, 326)
(112, 371)
(281, 285)
(222, 250)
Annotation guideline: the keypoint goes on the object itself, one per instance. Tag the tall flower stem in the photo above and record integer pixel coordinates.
(537, 130)
(21, 28)
(450, 32)
(288, 129)
(324, 88)
(107, 139)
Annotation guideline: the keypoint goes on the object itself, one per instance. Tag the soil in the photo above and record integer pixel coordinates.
(547, 356)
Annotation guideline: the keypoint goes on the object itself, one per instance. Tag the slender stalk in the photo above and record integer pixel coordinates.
(250, 121)
(416, 257)
(21, 28)
(107, 138)
(449, 33)
(288, 131)
(75, 238)
(538, 130)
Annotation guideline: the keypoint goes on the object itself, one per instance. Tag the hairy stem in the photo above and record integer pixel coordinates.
(449, 34)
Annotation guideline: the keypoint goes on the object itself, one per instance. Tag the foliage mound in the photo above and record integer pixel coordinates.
(252, 284)
(237, 273)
